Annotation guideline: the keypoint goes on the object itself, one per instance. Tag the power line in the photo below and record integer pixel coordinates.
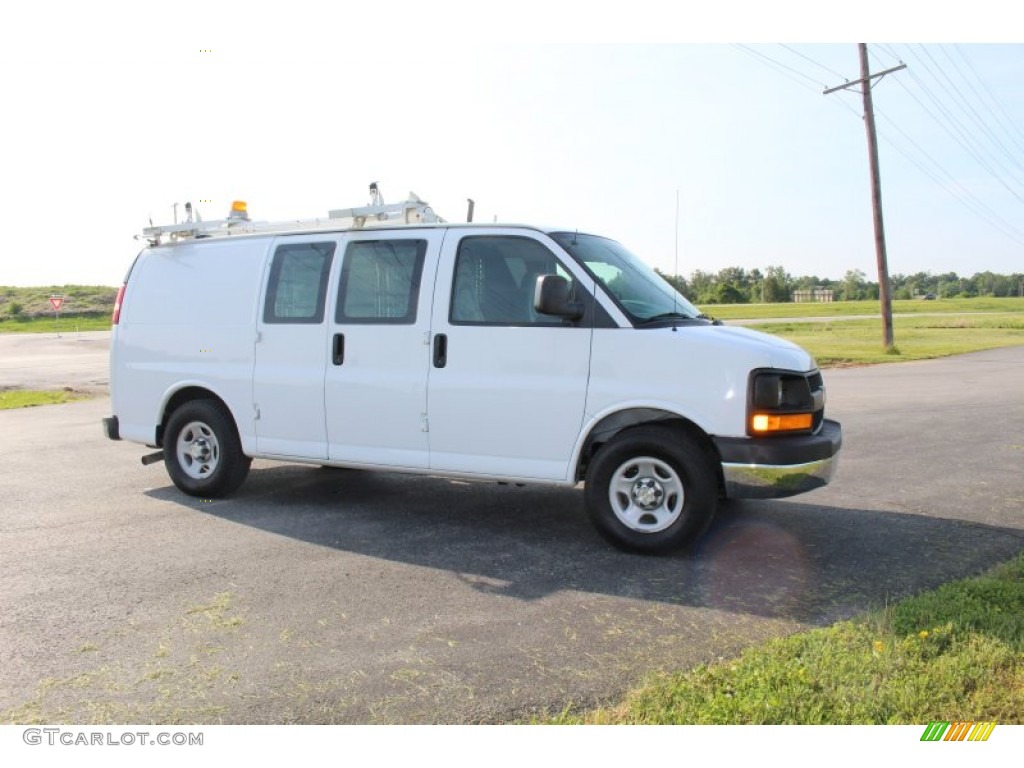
(980, 121)
(778, 65)
(1010, 129)
(815, 63)
(875, 59)
(888, 49)
(952, 119)
(965, 106)
(1008, 233)
(949, 183)
(946, 180)
(965, 137)
(968, 199)
(982, 205)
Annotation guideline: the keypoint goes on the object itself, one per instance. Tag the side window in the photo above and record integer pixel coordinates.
(297, 290)
(495, 278)
(380, 282)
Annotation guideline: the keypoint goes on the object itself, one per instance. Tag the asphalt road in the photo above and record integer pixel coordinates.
(325, 596)
(49, 361)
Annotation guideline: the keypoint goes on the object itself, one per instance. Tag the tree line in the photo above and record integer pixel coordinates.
(735, 285)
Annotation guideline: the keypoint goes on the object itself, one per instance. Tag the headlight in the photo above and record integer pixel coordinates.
(781, 401)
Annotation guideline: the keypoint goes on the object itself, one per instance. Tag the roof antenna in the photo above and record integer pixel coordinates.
(675, 268)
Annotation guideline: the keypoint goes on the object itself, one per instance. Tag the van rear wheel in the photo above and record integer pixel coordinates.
(202, 452)
(651, 489)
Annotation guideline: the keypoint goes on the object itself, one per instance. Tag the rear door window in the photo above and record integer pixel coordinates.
(297, 290)
(380, 282)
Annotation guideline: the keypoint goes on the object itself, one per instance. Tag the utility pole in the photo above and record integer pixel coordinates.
(876, 187)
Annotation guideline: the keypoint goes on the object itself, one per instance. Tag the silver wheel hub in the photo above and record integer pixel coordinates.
(646, 494)
(197, 450)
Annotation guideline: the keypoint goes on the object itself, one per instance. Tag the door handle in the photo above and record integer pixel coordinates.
(338, 349)
(440, 350)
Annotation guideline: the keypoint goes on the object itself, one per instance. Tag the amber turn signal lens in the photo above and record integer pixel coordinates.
(763, 422)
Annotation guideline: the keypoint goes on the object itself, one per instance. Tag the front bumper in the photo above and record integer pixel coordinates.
(772, 468)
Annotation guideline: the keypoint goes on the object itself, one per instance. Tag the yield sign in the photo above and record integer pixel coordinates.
(56, 301)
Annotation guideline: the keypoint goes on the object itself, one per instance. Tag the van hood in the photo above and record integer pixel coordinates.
(773, 351)
(784, 354)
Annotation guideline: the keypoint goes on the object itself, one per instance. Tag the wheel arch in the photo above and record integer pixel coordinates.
(174, 399)
(610, 425)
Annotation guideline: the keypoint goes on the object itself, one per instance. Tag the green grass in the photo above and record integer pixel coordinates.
(67, 324)
(953, 653)
(77, 298)
(854, 308)
(26, 398)
(845, 341)
(28, 310)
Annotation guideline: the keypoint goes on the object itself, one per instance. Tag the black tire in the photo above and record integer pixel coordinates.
(202, 452)
(651, 489)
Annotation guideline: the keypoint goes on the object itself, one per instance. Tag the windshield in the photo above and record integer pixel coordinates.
(637, 288)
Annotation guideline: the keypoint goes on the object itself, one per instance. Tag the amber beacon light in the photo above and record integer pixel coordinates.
(239, 210)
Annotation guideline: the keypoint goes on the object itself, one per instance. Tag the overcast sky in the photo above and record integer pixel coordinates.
(590, 116)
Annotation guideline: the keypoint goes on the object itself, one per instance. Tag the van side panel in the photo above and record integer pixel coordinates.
(686, 371)
(188, 319)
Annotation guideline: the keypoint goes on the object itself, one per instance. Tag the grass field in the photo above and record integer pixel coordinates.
(855, 342)
(36, 300)
(867, 308)
(66, 324)
(26, 398)
(953, 653)
(922, 329)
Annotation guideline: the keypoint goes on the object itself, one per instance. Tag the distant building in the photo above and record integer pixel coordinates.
(813, 294)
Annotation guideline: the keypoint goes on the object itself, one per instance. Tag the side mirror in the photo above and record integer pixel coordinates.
(551, 297)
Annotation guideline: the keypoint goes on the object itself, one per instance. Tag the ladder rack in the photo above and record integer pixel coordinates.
(411, 211)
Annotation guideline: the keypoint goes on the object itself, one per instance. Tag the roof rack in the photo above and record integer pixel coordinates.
(377, 213)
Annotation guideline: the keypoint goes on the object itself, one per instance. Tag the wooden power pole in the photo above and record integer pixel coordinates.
(884, 292)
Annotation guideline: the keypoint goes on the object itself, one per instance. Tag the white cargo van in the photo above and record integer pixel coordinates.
(385, 338)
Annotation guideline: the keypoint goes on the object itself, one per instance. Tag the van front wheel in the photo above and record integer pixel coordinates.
(202, 452)
(651, 489)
